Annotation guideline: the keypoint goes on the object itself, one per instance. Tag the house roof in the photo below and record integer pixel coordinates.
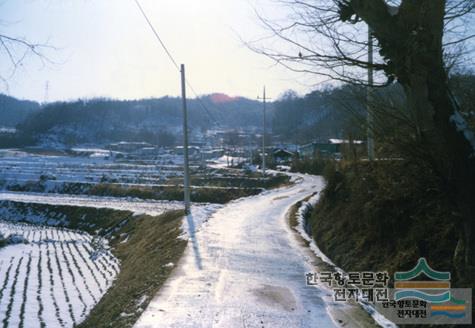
(344, 141)
(282, 152)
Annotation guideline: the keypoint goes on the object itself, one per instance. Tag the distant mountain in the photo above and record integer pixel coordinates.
(221, 98)
(317, 115)
(234, 112)
(106, 120)
(14, 111)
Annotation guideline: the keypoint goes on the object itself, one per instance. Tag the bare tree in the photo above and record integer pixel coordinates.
(417, 42)
(329, 38)
(17, 50)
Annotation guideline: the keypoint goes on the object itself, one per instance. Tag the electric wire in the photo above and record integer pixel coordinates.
(172, 59)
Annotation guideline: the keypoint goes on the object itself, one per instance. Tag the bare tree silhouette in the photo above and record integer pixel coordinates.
(17, 51)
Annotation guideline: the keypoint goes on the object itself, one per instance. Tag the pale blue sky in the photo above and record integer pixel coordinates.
(106, 48)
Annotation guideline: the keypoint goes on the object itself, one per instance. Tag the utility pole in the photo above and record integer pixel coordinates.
(46, 98)
(186, 173)
(264, 132)
(369, 96)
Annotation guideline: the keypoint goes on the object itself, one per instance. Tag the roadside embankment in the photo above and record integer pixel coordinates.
(386, 215)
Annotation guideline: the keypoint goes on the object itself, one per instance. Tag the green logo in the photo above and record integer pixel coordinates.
(436, 291)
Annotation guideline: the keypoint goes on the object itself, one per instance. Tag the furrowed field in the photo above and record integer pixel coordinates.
(51, 276)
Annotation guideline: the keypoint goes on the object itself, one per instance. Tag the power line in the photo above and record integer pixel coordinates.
(156, 35)
(174, 62)
(202, 103)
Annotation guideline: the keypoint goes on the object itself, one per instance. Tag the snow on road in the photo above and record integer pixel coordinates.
(244, 268)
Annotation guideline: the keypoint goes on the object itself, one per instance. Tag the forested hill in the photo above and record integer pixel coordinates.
(166, 111)
(290, 118)
(321, 114)
(14, 111)
(88, 121)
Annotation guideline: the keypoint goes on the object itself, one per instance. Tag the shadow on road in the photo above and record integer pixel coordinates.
(194, 242)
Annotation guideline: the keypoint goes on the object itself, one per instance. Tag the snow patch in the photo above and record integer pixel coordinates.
(198, 216)
(302, 212)
(150, 207)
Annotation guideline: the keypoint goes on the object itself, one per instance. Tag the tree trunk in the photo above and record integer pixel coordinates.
(411, 43)
(451, 151)
(426, 84)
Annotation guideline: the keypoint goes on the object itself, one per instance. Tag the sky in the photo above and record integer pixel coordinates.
(104, 48)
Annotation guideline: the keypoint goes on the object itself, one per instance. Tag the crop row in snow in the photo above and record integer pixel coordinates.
(53, 277)
(71, 169)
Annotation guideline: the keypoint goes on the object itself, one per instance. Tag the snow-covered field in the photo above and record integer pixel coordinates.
(200, 211)
(61, 169)
(138, 206)
(20, 171)
(225, 161)
(55, 278)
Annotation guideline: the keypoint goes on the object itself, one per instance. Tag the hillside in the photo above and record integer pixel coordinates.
(320, 114)
(152, 120)
(14, 111)
(159, 120)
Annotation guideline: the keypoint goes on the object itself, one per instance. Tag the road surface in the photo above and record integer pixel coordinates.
(244, 268)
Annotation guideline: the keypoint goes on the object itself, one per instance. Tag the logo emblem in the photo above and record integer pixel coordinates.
(435, 291)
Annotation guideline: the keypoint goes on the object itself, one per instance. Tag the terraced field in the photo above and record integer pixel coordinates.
(51, 277)
(62, 169)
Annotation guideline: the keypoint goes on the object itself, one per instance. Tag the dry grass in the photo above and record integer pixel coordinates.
(152, 243)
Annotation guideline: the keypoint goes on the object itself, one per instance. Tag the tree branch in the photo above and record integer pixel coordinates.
(18, 50)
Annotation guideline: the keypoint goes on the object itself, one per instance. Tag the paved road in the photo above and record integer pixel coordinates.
(244, 268)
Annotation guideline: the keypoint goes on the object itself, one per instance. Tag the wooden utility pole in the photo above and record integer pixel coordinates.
(369, 97)
(264, 99)
(46, 99)
(264, 134)
(186, 169)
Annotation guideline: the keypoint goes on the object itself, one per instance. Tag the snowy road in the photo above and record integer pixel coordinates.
(244, 268)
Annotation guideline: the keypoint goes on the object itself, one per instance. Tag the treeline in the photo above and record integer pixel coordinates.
(102, 120)
(341, 112)
(319, 115)
(14, 111)
(157, 121)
